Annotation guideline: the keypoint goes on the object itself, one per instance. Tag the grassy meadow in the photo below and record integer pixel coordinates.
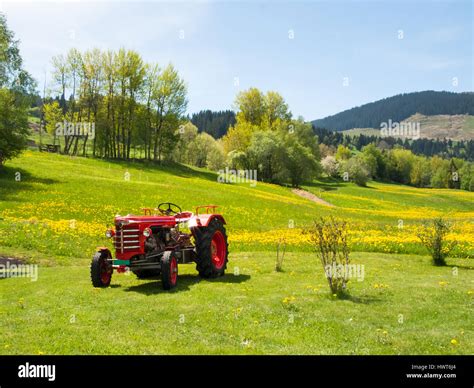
(55, 211)
(404, 305)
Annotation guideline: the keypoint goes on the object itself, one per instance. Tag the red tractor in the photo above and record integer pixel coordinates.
(153, 245)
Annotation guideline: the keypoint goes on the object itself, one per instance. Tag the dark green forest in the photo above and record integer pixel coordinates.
(213, 123)
(398, 108)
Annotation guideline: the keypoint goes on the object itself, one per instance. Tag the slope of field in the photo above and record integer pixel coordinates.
(55, 208)
(455, 127)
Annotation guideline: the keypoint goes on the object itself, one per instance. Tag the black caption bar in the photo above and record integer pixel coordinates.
(429, 371)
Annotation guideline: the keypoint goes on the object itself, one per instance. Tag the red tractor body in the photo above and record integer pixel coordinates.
(153, 244)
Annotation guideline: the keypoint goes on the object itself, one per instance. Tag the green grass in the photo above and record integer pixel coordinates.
(245, 313)
(57, 213)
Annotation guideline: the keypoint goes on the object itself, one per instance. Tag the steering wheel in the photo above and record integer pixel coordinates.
(168, 208)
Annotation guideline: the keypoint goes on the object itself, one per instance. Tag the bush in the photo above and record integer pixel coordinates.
(329, 237)
(357, 170)
(420, 175)
(200, 148)
(441, 173)
(399, 165)
(329, 165)
(267, 154)
(343, 153)
(375, 160)
(298, 156)
(216, 157)
(433, 237)
(466, 174)
(13, 125)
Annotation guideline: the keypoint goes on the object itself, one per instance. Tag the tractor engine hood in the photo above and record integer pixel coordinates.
(132, 219)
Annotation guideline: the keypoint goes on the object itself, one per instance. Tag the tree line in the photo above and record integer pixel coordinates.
(396, 165)
(132, 105)
(445, 148)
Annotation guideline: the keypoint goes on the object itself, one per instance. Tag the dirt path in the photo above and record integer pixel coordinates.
(311, 197)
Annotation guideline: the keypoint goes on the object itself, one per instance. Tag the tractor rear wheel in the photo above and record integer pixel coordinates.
(169, 270)
(101, 269)
(211, 249)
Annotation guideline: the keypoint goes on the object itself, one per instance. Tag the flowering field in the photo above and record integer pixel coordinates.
(55, 208)
(54, 211)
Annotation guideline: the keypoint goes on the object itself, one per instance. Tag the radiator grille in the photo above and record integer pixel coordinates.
(127, 238)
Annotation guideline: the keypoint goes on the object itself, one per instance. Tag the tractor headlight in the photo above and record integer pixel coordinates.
(147, 232)
(109, 233)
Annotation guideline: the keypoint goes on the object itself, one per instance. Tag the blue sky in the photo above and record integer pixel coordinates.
(323, 57)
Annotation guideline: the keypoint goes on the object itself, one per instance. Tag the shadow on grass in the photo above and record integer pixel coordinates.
(331, 184)
(356, 299)
(326, 184)
(173, 168)
(363, 299)
(185, 282)
(13, 180)
(468, 267)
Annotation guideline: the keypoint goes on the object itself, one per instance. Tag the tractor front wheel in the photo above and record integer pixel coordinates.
(211, 249)
(101, 269)
(169, 270)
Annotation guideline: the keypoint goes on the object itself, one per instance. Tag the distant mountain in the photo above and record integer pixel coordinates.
(399, 108)
(454, 127)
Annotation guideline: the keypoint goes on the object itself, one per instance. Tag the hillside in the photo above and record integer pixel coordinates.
(454, 127)
(36, 212)
(399, 108)
(55, 215)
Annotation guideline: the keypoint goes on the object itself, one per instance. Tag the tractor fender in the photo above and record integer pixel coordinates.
(204, 220)
(104, 249)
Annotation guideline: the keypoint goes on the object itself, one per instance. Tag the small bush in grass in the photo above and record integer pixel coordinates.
(329, 236)
(281, 249)
(433, 236)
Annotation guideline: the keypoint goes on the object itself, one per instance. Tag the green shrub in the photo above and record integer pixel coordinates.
(357, 170)
(329, 236)
(433, 236)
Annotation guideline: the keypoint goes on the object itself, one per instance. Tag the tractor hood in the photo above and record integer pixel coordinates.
(133, 219)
